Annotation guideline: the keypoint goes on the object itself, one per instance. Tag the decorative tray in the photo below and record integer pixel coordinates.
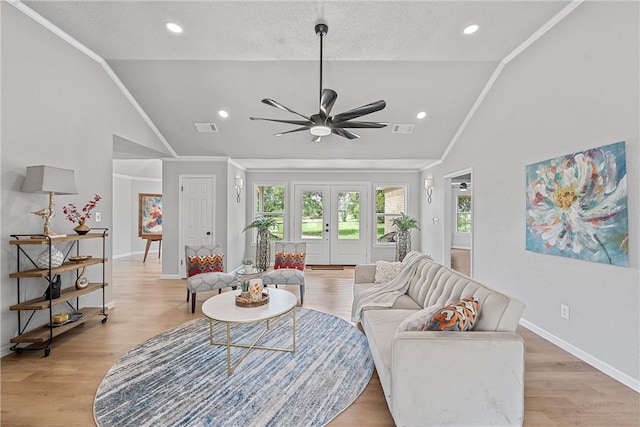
(79, 258)
(71, 318)
(248, 302)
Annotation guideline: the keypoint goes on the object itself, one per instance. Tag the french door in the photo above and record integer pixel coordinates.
(331, 219)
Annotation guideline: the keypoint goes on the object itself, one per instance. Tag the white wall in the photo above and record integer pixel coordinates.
(236, 217)
(59, 108)
(171, 172)
(573, 89)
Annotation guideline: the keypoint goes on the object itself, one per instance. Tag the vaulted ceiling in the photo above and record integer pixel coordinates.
(232, 54)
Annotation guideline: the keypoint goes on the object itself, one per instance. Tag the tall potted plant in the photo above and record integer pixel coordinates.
(404, 224)
(263, 224)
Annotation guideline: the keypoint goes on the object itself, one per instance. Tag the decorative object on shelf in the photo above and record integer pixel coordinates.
(74, 215)
(54, 288)
(402, 234)
(82, 228)
(47, 179)
(82, 282)
(57, 258)
(79, 258)
(60, 318)
(577, 206)
(264, 225)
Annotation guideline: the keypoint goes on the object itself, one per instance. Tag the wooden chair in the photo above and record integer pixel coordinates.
(206, 280)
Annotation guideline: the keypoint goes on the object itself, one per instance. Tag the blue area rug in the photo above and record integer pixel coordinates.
(178, 379)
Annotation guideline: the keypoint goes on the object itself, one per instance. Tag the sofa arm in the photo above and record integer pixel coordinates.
(457, 378)
(364, 273)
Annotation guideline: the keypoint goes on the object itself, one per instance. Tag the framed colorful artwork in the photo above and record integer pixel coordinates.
(149, 215)
(577, 206)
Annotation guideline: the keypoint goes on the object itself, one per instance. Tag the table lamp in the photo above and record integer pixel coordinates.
(47, 179)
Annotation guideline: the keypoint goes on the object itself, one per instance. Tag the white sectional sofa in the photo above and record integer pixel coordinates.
(444, 378)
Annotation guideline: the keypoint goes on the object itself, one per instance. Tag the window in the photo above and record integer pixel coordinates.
(270, 201)
(463, 213)
(390, 203)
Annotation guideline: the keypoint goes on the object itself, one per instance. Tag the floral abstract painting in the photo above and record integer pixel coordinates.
(577, 206)
(149, 214)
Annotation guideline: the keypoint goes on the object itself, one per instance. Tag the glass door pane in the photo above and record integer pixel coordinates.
(348, 220)
(312, 215)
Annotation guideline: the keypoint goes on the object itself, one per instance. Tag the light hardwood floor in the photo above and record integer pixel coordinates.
(560, 390)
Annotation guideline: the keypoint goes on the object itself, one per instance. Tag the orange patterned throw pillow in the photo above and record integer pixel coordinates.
(205, 264)
(289, 260)
(459, 316)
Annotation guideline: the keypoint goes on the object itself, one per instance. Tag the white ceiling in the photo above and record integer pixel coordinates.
(232, 54)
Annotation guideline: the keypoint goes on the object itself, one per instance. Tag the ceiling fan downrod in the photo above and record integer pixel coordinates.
(321, 30)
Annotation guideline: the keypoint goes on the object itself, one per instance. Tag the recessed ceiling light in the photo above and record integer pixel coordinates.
(223, 114)
(421, 115)
(471, 29)
(174, 28)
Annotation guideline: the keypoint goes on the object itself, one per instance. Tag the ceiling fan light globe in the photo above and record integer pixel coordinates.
(320, 130)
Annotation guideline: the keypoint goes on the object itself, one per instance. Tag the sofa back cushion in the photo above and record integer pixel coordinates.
(497, 312)
(422, 280)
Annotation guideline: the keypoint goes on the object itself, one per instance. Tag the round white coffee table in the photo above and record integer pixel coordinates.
(222, 308)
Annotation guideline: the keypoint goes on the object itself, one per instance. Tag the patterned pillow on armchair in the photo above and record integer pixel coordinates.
(289, 260)
(205, 264)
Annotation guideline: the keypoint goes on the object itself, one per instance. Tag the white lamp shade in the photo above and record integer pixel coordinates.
(47, 179)
(239, 182)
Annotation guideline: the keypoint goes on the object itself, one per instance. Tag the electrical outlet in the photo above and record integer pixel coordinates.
(564, 311)
(98, 216)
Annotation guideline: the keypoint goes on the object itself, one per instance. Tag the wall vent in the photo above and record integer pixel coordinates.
(206, 127)
(399, 128)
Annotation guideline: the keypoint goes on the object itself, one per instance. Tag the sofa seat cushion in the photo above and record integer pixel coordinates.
(380, 326)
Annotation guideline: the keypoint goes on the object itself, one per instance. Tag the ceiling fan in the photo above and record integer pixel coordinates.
(322, 124)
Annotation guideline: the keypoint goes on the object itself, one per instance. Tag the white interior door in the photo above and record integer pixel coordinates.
(331, 220)
(197, 217)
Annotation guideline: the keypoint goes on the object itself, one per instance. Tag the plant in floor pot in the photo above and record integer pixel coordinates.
(404, 224)
(263, 225)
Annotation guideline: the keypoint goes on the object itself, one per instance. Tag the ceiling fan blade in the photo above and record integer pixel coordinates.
(291, 122)
(291, 131)
(362, 125)
(276, 104)
(345, 133)
(357, 112)
(327, 99)
(316, 139)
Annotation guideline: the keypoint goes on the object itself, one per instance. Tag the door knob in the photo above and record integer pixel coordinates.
(208, 233)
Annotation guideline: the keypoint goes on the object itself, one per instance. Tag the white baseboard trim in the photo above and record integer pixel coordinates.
(132, 253)
(604, 367)
(170, 276)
